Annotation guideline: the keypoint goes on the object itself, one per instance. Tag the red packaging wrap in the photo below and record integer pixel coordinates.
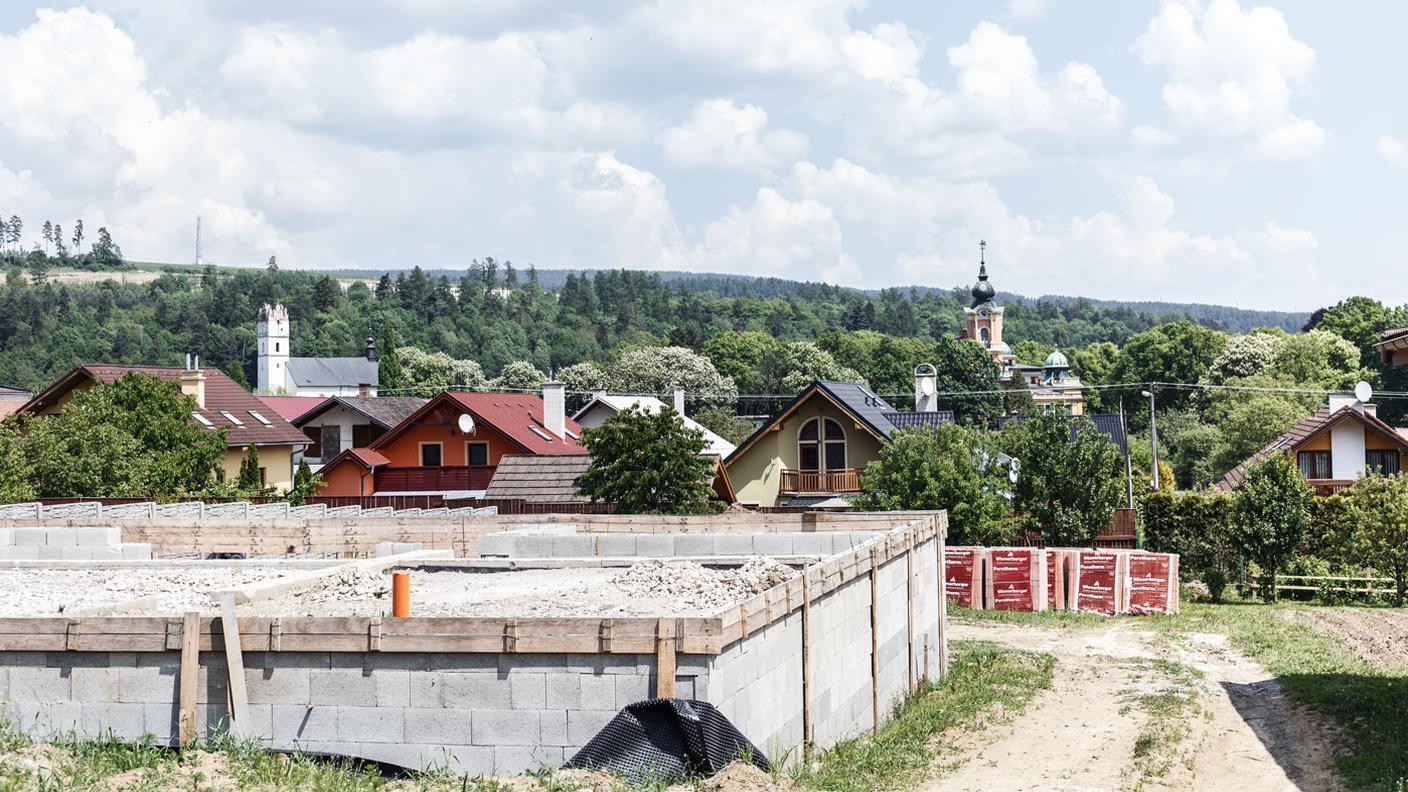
(1098, 581)
(1151, 584)
(1016, 578)
(1056, 579)
(963, 575)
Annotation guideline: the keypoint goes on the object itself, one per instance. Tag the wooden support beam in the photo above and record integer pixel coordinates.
(874, 645)
(909, 588)
(190, 679)
(234, 660)
(939, 542)
(806, 661)
(665, 659)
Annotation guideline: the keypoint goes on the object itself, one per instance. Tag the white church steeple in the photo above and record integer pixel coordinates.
(273, 333)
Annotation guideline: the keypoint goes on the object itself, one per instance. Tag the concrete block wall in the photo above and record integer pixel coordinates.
(757, 684)
(468, 713)
(840, 660)
(928, 581)
(69, 543)
(892, 625)
(568, 544)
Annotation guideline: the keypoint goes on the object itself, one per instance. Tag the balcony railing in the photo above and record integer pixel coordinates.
(1330, 486)
(841, 480)
(434, 479)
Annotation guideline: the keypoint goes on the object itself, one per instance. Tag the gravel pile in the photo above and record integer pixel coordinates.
(695, 586)
(348, 584)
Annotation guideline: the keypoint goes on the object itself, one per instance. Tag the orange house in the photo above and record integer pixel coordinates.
(452, 445)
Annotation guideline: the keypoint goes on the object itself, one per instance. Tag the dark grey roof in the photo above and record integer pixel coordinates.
(1109, 424)
(539, 479)
(348, 372)
(384, 411)
(904, 420)
(6, 392)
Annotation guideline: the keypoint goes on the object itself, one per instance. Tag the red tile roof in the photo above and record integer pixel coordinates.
(517, 416)
(290, 407)
(1319, 422)
(366, 457)
(222, 396)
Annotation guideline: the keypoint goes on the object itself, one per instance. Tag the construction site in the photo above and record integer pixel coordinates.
(472, 642)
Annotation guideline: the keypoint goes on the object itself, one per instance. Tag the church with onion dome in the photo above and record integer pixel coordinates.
(1053, 386)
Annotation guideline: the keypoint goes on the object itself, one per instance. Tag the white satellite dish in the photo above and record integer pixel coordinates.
(466, 423)
(926, 386)
(1014, 470)
(1363, 391)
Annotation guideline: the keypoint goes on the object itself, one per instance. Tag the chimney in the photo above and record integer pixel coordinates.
(679, 401)
(925, 381)
(599, 393)
(370, 350)
(364, 390)
(192, 382)
(555, 408)
(1339, 400)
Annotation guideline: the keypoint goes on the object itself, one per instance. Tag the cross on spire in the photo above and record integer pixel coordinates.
(982, 251)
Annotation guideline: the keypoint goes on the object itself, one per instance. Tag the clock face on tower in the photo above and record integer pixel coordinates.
(982, 313)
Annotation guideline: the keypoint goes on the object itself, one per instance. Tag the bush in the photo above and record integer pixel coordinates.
(1216, 581)
(1195, 526)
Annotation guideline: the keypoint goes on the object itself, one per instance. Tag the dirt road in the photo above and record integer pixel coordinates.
(1130, 711)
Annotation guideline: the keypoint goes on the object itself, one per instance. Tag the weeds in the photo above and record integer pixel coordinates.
(1169, 699)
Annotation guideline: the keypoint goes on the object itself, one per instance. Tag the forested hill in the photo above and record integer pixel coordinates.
(1221, 317)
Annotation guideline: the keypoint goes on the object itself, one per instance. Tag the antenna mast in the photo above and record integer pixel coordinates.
(199, 259)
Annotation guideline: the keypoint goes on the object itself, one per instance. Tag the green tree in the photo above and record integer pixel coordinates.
(740, 354)
(659, 370)
(722, 422)
(1176, 352)
(305, 484)
(249, 481)
(106, 254)
(647, 463)
(15, 475)
(391, 378)
(949, 467)
(428, 372)
(1270, 514)
(790, 367)
(326, 294)
(1070, 480)
(1380, 504)
(234, 369)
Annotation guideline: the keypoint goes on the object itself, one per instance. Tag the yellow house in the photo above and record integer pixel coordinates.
(1334, 447)
(815, 448)
(220, 403)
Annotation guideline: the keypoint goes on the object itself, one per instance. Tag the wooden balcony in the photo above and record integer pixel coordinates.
(434, 479)
(838, 481)
(1329, 486)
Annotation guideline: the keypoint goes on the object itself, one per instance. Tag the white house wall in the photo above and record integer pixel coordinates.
(1347, 450)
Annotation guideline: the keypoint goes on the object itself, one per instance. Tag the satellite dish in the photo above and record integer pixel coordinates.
(926, 386)
(1013, 470)
(466, 423)
(1363, 391)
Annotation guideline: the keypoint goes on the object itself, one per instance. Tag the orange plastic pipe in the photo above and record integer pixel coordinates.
(401, 594)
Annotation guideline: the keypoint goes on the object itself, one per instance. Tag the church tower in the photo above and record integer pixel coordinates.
(983, 319)
(273, 334)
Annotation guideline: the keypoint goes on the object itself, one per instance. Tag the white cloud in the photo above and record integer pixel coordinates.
(1026, 10)
(887, 52)
(1151, 137)
(777, 236)
(1232, 73)
(720, 134)
(1392, 149)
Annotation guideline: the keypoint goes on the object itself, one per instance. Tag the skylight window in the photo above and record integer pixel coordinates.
(572, 434)
(260, 418)
(229, 416)
(540, 433)
(202, 419)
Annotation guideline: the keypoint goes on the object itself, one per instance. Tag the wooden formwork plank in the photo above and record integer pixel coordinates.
(806, 663)
(234, 662)
(665, 659)
(190, 679)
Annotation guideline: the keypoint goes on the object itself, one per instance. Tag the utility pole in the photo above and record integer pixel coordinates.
(1153, 435)
(1128, 465)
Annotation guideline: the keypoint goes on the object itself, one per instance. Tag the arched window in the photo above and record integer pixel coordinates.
(821, 445)
(985, 336)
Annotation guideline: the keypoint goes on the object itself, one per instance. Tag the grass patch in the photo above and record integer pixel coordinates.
(1050, 618)
(1369, 702)
(985, 682)
(1170, 700)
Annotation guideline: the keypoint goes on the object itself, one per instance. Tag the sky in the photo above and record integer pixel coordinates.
(1226, 152)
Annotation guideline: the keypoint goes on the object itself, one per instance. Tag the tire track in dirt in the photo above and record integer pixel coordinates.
(1080, 735)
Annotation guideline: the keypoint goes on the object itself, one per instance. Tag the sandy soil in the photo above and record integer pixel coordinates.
(1379, 636)
(647, 589)
(55, 592)
(1080, 735)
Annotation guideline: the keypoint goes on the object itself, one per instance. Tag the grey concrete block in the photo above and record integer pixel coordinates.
(124, 721)
(733, 544)
(146, 684)
(816, 544)
(552, 726)
(7, 537)
(527, 691)
(426, 689)
(49, 553)
(38, 683)
(772, 544)
(505, 727)
(617, 544)
(97, 537)
(384, 549)
(583, 725)
(632, 688)
(94, 684)
(598, 691)
(475, 691)
(137, 551)
(371, 724)
(159, 720)
(496, 544)
(521, 759)
(655, 545)
(694, 545)
(298, 723)
(533, 546)
(76, 553)
(277, 685)
(439, 726)
(341, 686)
(108, 553)
(393, 688)
(59, 537)
(574, 546)
(563, 691)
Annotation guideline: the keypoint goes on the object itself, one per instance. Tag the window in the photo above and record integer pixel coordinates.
(821, 445)
(330, 440)
(314, 433)
(1314, 464)
(201, 419)
(362, 435)
(476, 453)
(984, 335)
(276, 346)
(1384, 461)
(260, 418)
(540, 433)
(430, 455)
(229, 416)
